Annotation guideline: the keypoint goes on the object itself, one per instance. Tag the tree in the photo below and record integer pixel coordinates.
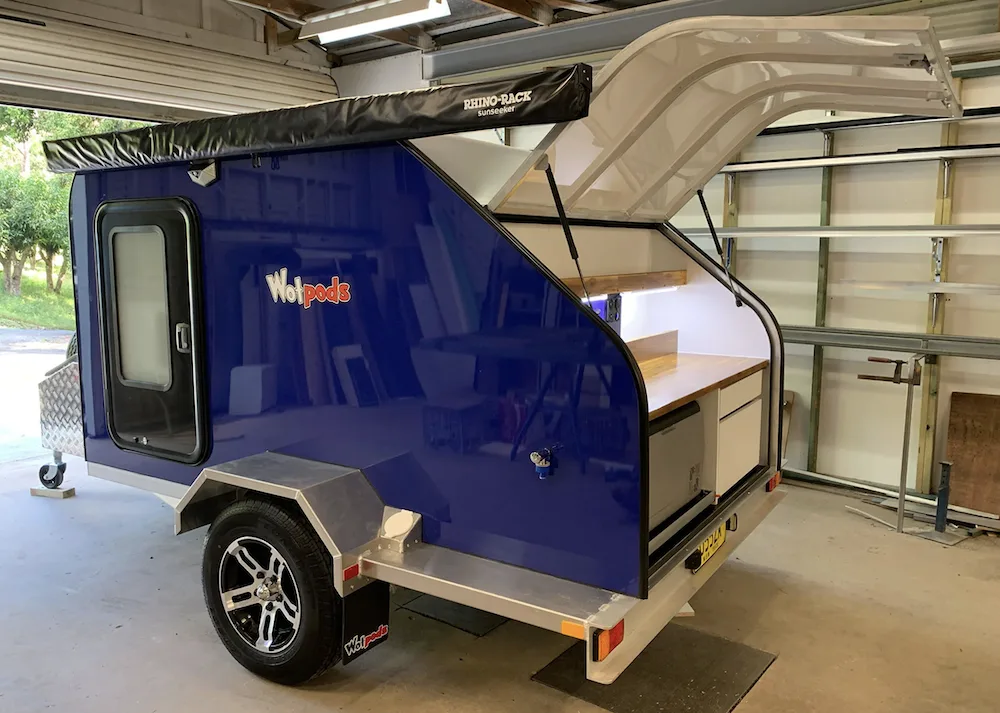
(34, 205)
(17, 236)
(59, 125)
(17, 127)
(52, 227)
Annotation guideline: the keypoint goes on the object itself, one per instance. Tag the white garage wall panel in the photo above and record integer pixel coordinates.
(861, 422)
(70, 66)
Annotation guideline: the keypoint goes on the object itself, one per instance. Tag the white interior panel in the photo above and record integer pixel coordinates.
(703, 311)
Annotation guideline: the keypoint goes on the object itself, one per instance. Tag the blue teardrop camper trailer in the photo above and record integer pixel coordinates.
(368, 352)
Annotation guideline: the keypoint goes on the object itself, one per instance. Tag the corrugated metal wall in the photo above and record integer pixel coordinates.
(66, 65)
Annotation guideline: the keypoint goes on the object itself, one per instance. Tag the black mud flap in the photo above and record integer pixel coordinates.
(366, 619)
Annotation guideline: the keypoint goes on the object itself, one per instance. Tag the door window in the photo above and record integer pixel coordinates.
(141, 296)
(149, 265)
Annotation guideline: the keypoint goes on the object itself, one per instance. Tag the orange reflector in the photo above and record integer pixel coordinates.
(774, 482)
(606, 640)
(352, 572)
(571, 628)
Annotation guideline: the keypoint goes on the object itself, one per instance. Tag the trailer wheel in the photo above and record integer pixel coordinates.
(269, 590)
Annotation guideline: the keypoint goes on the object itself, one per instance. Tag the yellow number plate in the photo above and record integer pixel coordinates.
(711, 545)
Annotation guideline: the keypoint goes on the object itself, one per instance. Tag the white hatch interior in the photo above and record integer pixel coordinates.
(677, 104)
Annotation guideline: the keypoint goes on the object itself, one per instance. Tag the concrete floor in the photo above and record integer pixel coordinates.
(102, 610)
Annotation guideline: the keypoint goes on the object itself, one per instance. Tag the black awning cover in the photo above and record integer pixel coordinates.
(553, 96)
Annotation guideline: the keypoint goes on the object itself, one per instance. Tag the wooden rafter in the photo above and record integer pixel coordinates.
(529, 10)
(409, 36)
(583, 7)
(277, 36)
(296, 9)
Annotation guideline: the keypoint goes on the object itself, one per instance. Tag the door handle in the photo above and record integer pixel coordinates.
(182, 338)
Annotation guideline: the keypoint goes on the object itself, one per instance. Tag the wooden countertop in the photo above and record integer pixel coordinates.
(673, 380)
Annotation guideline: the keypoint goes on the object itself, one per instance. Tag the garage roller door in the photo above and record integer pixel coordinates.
(55, 64)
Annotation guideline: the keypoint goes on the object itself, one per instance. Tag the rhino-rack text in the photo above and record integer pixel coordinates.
(507, 102)
(359, 643)
(296, 292)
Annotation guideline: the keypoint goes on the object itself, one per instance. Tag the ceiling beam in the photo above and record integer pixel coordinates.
(277, 36)
(293, 9)
(583, 7)
(409, 36)
(529, 10)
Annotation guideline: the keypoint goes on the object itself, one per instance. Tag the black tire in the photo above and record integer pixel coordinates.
(315, 645)
(51, 476)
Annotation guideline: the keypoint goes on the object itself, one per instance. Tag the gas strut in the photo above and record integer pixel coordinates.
(564, 222)
(718, 247)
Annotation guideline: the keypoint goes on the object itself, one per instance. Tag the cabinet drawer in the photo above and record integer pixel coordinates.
(742, 392)
(739, 446)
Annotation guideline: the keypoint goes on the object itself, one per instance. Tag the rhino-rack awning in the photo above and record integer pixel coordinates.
(676, 105)
(548, 97)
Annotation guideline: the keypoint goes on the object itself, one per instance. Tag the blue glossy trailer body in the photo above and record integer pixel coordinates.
(387, 223)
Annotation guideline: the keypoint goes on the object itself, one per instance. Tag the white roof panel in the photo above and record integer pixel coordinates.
(677, 104)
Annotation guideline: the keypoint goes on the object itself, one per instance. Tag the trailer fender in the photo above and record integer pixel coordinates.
(338, 502)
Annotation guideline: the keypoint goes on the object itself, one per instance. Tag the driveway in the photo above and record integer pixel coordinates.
(25, 356)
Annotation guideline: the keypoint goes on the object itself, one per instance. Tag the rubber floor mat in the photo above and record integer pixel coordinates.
(681, 671)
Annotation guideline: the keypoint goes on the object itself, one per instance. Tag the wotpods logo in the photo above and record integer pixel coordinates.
(359, 643)
(296, 292)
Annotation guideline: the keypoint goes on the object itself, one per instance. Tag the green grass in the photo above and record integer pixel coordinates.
(37, 307)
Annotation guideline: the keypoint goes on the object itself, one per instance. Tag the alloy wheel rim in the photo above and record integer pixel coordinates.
(261, 601)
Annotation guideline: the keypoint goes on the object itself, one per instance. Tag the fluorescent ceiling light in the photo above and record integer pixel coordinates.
(371, 17)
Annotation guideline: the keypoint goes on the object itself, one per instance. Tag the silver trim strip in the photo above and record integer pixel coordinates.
(137, 480)
(531, 597)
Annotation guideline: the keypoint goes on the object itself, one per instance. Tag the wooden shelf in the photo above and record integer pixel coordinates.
(630, 282)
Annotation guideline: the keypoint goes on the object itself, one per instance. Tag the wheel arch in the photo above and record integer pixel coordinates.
(337, 502)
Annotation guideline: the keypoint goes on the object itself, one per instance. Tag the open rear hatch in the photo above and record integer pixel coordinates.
(676, 105)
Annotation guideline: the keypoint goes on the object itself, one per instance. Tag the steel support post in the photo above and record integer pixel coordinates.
(940, 249)
(822, 283)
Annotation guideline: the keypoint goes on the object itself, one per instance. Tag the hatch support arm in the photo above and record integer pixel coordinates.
(718, 247)
(564, 221)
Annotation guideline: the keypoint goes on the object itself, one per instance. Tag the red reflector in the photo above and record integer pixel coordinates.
(352, 572)
(607, 640)
(774, 482)
(616, 635)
